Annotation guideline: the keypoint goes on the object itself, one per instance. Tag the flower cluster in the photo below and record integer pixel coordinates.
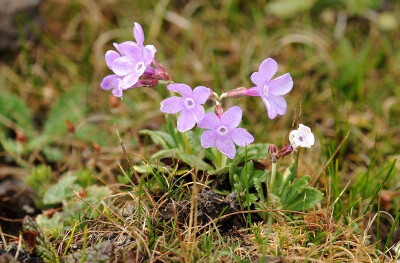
(133, 65)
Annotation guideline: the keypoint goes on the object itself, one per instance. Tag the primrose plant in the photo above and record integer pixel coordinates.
(213, 145)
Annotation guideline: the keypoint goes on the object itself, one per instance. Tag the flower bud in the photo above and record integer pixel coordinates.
(272, 152)
(236, 93)
(285, 151)
(148, 82)
(219, 110)
(240, 92)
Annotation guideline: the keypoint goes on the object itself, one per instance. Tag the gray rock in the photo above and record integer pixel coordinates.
(10, 12)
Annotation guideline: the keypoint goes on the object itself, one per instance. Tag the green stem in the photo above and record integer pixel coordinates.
(270, 186)
(165, 82)
(188, 147)
(273, 176)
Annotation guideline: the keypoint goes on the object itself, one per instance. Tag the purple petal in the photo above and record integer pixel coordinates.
(257, 79)
(147, 56)
(268, 69)
(117, 92)
(110, 82)
(172, 105)
(227, 147)
(198, 113)
(138, 33)
(149, 71)
(208, 139)
(201, 94)
(182, 89)
(232, 117)
(270, 110)
(129, 80)
(152, 49)
(241, 137)
(185, 121)
(132, 52)
(275, 105)
(116, 45)
(110, 56)
(210, 121)
(122, 66)
(282, 85)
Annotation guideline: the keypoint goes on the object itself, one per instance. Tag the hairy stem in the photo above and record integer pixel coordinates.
(273, 176)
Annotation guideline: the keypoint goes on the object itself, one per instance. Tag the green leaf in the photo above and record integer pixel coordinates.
(164, 154)
(293, 191)
(261, 175)
(14, 109)
(160, 138)
(258, 185)
(233, 169)
(53, 153)
(288, 8)
(61, 191)
(194, 140)
(40, 179)
(148, 168)
(247, 170)
(71, 106)
(194, 161)
(278, 183)
(254, 151)
(288, 177)
(239, 188)
(220, 171)
(250, 198)
(308, 198)
(53, 226)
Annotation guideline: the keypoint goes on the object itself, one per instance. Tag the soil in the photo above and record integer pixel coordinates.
(210, 207)
(15, 203)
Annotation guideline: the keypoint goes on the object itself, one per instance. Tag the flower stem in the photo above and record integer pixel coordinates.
(223, 95)
(165, 82)
(273, 176)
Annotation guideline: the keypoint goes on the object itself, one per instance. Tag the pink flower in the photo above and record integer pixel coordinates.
(189, 105)
(271, 91)
(128, 64)
(223, 132)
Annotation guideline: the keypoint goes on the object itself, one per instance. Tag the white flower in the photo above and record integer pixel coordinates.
(302, 137)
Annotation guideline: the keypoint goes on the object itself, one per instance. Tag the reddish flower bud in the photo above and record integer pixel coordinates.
(236, 93)
(272, 149)
(272, 152)
(219, 110)
(148, 82)
(240, 92)
(285, 151)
